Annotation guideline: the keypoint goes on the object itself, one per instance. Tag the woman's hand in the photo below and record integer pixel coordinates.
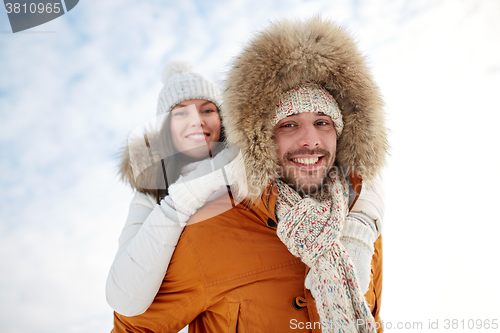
(191, 191)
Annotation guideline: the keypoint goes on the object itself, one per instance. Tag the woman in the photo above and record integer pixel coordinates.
(173, 175)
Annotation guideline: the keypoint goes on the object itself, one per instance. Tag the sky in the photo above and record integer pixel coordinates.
(73, 89)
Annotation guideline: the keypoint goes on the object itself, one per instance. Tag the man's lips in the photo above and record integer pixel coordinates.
(307, 161)
(197, 137)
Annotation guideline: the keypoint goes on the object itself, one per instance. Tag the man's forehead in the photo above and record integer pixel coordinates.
(309, 98)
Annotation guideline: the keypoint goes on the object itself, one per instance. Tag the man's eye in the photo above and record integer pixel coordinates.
(322, 123)
(288, 125)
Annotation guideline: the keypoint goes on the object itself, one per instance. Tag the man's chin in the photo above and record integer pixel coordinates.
(305, 182)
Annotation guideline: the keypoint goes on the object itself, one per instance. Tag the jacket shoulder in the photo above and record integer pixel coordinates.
(143, 199)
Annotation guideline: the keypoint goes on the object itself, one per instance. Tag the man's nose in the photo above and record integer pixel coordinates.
(308, 136)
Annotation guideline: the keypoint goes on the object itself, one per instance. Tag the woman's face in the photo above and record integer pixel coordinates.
(194, 124)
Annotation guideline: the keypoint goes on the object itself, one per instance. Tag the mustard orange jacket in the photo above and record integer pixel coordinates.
(231, 273)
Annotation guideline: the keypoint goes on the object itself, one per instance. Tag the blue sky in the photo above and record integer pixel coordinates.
(73, 89)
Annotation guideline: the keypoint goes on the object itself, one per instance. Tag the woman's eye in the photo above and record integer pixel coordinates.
(180, 113)
(208, 111)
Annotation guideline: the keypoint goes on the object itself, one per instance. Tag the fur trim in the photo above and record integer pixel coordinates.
(279, 59)
(140, 165)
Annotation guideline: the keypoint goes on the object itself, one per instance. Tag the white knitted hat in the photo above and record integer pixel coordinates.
(181, 84)
(309, 97)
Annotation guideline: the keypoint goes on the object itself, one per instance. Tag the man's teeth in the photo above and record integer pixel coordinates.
(306, 161)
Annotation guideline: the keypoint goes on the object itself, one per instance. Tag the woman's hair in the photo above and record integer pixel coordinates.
(171, 166)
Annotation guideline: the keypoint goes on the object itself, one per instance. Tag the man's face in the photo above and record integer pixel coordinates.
(306, 148)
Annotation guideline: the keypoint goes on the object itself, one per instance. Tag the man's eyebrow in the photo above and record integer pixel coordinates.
(317, 113)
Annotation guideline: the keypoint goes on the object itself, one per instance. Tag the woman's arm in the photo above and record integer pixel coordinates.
(358, 238)
(152, 231)
(146, 246)
(362, 227)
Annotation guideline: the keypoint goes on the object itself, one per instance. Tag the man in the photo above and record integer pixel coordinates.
(302, 107)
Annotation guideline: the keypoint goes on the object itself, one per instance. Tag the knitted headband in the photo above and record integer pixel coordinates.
(309, 97)
(181, 84)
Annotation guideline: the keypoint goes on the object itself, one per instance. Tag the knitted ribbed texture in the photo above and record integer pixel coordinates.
(359, 229)
(182, 85)
(309, 97)
(191, 195)
(192, 190)
(310, 228)
(358, 239)
(371, 204)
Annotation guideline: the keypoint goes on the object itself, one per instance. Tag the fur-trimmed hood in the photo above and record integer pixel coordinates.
(140, 162)
(276, 61)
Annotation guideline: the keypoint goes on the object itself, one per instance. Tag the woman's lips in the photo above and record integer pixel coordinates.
(197, 137)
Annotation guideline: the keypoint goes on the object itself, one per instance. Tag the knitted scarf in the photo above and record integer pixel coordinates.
(311, 228)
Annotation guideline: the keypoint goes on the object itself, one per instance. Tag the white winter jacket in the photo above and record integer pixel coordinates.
(146, 245)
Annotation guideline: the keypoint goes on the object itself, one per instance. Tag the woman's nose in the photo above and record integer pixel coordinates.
(195, 120)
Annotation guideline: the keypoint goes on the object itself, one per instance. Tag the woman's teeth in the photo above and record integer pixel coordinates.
(196, 136)
(306, 161)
